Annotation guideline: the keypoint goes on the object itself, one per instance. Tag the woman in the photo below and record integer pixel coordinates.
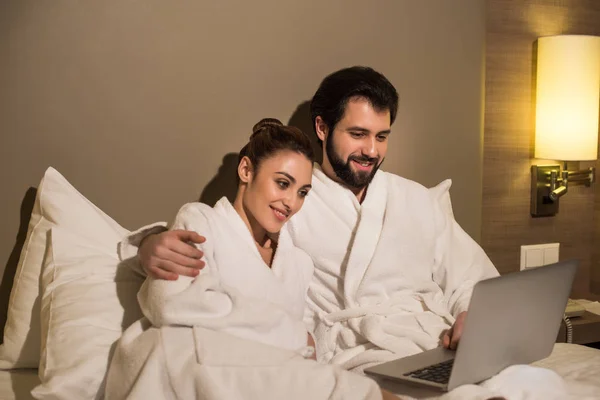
(246, 257)
(245, 308)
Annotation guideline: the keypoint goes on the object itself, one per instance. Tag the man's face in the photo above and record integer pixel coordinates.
(357, 146)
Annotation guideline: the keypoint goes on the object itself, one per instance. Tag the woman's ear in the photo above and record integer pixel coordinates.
(321, 128)
(245, 170)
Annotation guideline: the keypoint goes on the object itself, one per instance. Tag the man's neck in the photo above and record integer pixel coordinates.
(327, 169)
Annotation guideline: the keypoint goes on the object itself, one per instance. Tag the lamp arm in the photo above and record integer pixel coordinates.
(585, 176)
(560, 186)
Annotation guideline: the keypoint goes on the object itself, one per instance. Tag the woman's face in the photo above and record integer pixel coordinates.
(277, 190)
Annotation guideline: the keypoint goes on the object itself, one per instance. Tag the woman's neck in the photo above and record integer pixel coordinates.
(256, 230)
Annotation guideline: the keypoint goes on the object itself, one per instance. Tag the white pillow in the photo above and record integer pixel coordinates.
(88, 299)
(57, 203)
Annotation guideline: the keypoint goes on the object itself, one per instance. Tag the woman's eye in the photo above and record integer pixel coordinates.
(303, 193)
(283, 184)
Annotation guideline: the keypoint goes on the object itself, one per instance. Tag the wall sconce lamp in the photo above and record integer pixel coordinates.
(566, 124)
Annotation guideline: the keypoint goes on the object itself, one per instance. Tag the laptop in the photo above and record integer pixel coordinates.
(512, 319)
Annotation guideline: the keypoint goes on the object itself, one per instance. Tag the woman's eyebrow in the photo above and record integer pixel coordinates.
(291, 178)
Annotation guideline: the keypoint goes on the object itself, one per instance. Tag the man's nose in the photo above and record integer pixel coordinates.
(370, 147)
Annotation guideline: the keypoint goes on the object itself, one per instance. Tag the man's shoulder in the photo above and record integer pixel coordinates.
(409, 189)
(396, 180)
(405, 183)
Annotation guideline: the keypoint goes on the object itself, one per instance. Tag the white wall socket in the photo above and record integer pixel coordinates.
(536, 255)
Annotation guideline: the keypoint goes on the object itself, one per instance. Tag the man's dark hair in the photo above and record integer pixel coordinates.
(329, 102)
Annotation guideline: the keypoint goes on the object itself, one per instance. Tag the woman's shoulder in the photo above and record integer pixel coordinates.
(196, 208)
(194, 216)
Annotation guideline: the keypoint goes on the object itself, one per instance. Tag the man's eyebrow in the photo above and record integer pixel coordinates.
(291, 178)
(357, 129)
(364, 130)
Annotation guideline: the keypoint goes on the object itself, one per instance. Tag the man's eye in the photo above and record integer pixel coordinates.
(357, 135)
(382, 138)
(283, 184)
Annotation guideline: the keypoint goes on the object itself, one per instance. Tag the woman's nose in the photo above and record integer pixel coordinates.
(289, 201)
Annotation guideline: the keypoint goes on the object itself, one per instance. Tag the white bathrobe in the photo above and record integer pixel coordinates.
(391, 274)
(235, 278)
(235, 331)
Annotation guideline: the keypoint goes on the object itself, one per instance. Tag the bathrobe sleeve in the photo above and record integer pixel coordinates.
(459, 261)
(187, 301)
(128, 247)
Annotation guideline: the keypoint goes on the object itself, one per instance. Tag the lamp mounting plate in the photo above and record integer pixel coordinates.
(541, 204)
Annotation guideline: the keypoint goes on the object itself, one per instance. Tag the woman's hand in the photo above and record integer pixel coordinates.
(171, 253)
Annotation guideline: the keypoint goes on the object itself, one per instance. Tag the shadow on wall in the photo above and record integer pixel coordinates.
(301, 119)
(13, 260)
(225, 182)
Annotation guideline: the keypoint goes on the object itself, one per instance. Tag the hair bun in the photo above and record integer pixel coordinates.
(264, 123)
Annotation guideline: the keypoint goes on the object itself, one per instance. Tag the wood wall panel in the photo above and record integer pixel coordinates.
(595, 265)
(512, 28)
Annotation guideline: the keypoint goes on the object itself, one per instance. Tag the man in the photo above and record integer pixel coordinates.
(393, 270)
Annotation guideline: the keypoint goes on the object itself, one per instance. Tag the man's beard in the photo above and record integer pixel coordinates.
(343, 170)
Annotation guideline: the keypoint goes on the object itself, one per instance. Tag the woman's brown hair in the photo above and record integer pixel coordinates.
(270, 136)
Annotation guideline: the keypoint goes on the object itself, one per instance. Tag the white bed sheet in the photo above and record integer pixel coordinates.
(578, 365)
(17, 384)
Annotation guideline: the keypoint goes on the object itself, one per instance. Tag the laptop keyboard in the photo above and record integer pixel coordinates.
(438, 373)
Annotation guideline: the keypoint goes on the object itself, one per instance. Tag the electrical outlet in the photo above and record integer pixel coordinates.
(536, 255)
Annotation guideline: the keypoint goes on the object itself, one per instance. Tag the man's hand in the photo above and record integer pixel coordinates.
(452, 335)
(310, 341)
(385, 395)
(169, 254)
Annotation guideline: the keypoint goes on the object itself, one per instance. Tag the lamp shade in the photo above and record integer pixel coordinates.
(567, 98)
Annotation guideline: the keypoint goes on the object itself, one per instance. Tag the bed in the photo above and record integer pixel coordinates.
(578, 365)
(72, 297)
(18, 384)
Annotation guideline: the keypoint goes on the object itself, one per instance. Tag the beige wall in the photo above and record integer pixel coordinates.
(138, 102)
(512, 28)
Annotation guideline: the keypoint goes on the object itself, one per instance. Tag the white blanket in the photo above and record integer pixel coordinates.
(518, 382)
(231, 332)
(198, 363)
(391, 274)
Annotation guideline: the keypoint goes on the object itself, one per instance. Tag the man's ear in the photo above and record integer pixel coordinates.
(321, 128)
(245, 170)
